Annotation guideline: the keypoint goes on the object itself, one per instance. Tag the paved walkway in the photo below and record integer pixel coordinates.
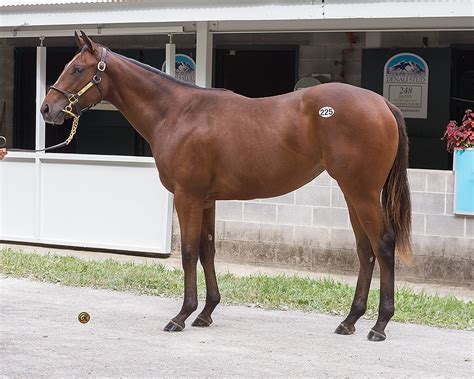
(41, 336)
(241, 270)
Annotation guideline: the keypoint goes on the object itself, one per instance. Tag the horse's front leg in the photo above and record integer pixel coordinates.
(207, 252)
(190, 210)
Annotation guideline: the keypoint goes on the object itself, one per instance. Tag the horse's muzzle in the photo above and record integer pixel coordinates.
(52, 115)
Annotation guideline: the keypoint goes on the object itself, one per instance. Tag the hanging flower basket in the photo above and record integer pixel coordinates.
(460, 136)
(460, 141)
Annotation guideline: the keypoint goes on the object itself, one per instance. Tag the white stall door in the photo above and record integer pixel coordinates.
(85, 201)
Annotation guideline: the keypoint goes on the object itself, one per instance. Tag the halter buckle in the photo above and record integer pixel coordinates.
(73, 99)
(96, 79)
(101, 66)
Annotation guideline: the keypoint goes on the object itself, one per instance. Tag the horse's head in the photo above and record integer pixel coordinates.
(80, 85)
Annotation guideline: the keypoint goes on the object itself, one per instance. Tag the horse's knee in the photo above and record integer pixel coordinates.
(207, 254)
(188, 255)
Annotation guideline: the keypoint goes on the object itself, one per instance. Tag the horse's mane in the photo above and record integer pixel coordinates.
(158, 72)
(172, 78)
(155, 70)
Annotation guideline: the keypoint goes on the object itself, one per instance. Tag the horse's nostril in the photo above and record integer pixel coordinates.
(46, 108)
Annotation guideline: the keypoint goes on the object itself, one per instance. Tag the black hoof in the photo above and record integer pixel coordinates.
(202, 321)
(376, 336)
(345, 329)
(173, 327)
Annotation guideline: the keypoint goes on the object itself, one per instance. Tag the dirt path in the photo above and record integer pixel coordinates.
(41, 336)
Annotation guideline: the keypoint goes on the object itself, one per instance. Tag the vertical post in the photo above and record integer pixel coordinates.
(203, 55)
(170, 70)
(373, 40)
(171, 57)
(40, 133)
(40, 94)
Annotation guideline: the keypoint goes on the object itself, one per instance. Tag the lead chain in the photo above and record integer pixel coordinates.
(75, 123)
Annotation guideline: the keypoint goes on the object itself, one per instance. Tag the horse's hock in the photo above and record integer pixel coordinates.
(309, 229)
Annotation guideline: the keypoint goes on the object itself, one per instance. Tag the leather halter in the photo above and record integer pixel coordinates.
(74, 97)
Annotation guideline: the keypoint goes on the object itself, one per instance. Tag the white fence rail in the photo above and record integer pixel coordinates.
(85, 201)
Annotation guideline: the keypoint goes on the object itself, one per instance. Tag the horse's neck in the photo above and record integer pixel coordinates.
(144, 98)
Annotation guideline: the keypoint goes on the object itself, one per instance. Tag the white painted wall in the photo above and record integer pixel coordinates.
(85, 201)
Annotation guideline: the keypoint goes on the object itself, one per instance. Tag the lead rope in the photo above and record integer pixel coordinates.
(72, 133)
(75, 123)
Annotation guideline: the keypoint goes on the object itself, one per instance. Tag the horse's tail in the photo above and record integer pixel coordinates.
(396, 193)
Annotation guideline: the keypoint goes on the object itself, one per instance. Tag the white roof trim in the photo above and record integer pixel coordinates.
(254, 15)
(30, 3)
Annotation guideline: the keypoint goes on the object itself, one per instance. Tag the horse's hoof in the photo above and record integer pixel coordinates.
(376, 336)
(173, 327)
(345, 329)
(202, 321)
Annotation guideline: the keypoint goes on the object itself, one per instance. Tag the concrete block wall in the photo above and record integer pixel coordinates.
(324, 55)
(309, 229)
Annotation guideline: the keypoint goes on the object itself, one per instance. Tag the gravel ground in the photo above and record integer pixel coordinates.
(41, 336)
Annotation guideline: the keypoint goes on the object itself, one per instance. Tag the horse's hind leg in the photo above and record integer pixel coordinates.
(190, 212)
(369, 212)
(367, 261)
(207, 252)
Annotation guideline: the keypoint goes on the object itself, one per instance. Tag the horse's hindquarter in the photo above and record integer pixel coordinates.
(360, 140)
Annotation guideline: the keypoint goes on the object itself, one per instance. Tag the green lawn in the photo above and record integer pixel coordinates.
(280, 292)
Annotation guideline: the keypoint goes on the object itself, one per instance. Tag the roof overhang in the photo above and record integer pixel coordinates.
(53, 17)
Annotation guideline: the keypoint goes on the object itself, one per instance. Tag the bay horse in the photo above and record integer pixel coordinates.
(211, 144)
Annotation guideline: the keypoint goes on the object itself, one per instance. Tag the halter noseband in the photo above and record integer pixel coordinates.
(73, 98)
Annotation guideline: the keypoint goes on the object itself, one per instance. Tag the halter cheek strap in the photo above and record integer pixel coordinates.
(74, 97)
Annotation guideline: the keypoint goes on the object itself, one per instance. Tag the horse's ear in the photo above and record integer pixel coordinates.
(88, 42)
(79, 41)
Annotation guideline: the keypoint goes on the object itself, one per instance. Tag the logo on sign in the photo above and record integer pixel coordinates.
(185, 68)
(406, 84)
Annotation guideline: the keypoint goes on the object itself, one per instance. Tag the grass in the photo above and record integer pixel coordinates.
(270, 292)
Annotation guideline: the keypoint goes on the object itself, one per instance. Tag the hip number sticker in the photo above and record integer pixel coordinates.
(326, 112)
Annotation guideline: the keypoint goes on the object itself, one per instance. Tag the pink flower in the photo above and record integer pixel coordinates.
(460, 136)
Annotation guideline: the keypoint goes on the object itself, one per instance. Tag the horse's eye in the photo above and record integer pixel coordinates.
(78, 70)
